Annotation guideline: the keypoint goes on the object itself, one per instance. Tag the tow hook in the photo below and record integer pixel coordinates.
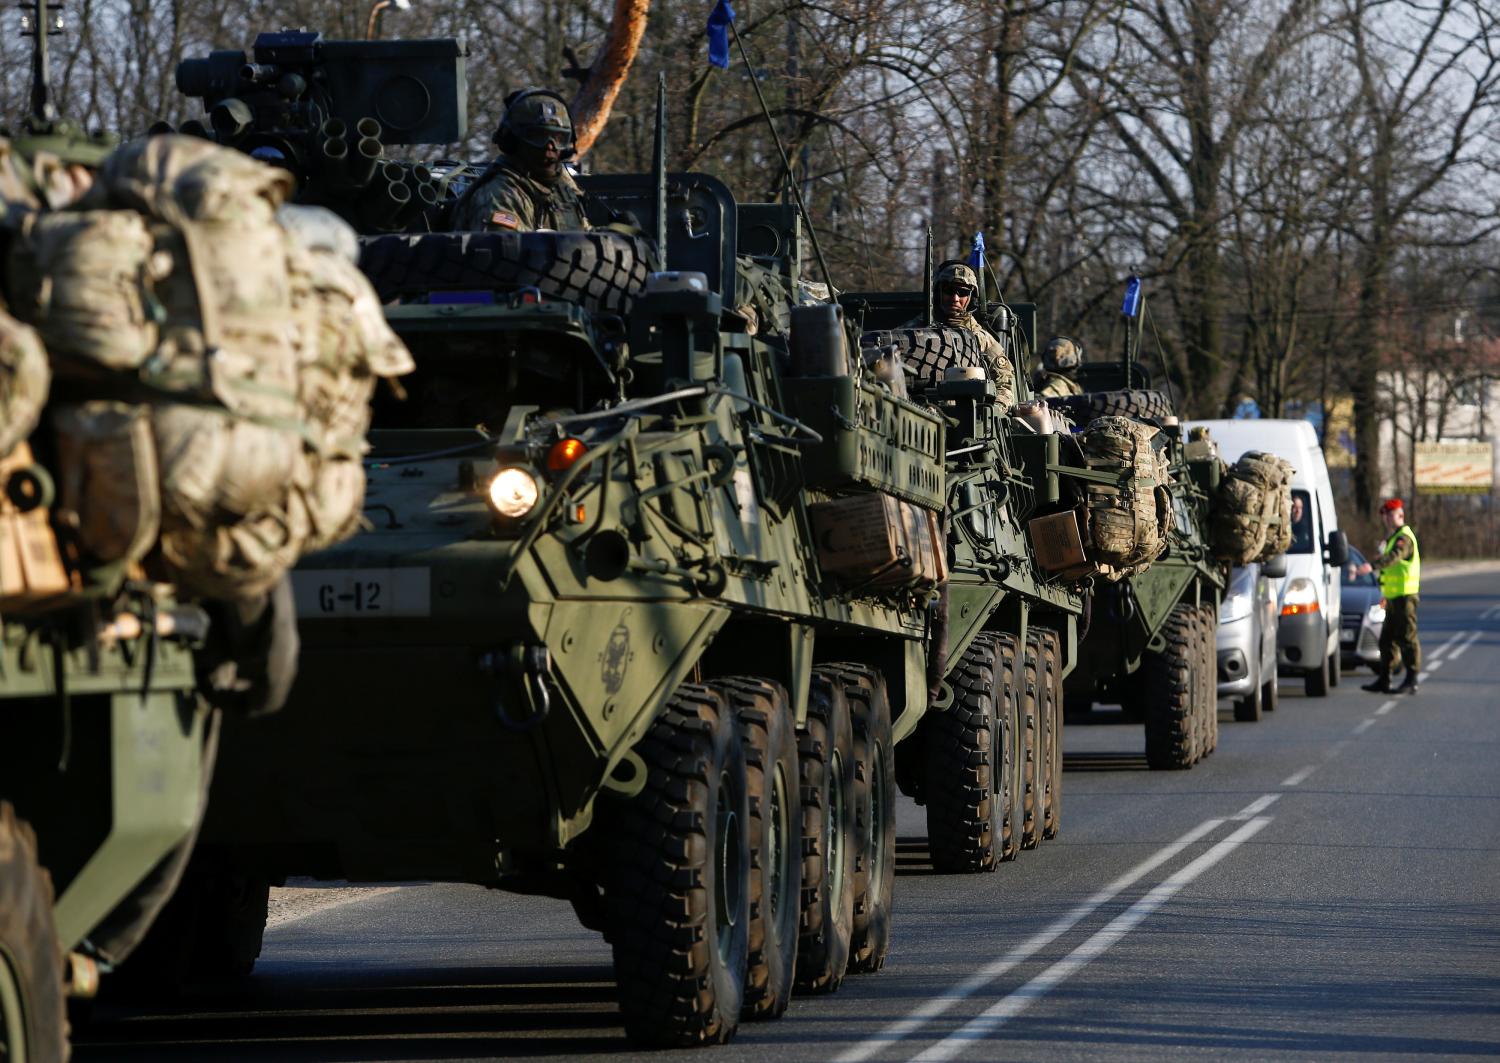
(520, 684)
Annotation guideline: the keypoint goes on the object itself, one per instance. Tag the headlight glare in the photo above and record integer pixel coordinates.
(1301, 596)
(513, 492)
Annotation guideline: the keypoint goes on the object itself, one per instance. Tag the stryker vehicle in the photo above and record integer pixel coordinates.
(647, 602)
(1151, 638)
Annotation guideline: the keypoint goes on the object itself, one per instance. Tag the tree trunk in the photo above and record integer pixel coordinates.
(596, 96)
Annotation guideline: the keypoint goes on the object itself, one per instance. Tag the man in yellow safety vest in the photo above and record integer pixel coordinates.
(1400, 567)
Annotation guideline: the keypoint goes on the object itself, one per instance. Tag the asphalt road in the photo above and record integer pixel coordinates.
(1325, 886)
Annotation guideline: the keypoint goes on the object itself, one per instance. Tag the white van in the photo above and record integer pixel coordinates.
(1307, 635)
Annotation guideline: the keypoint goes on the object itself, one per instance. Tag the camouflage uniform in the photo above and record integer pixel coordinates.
(1060, 360)
(504, 198)
(997, 362)
(516, 193)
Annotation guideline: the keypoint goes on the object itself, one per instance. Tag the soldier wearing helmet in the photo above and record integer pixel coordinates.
(1060, 361)
(954, 290)
(526, 187)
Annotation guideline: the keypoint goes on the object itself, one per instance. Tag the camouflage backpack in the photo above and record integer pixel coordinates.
(24, 378)
(1252, 518)
(1128, 519)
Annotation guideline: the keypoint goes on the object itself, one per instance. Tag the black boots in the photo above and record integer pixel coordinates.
(1382, 685)
(1409, 684)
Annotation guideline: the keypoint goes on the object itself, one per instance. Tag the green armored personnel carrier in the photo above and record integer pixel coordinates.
(1150, 644)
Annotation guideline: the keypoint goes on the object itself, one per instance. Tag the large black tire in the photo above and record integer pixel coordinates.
(1138, 404)
(966, 764)
(1011, 755)
(769, 734)
(1248, 709)
(825, 749)
(677, 885)
(1208, 672)
(929, 352)
(210, 931)
(1052, 718)
(602, 271)
(874, 816)
(33, 1013)
(1167, 682)
(1316, 680)
(1034, 735)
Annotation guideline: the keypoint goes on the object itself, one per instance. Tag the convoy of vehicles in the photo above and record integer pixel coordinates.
(659, 604)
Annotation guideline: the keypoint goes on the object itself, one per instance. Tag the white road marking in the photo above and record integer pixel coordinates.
(1435, 654)
(1474, 637)
(1387, 707)
(1490, 613)
(1008, 1007)
(1299, 778)
(1433, 667)
(1363, 726)
(938, 1005)
(1255, 808)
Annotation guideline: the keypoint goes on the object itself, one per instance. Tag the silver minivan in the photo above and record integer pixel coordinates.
(1247, 638)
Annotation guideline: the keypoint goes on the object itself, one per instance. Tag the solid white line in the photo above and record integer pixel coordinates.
(1387, 707)
(1363, 726)
(1300, 778)
(1255, 808)
(1474, 637)
(1008, 1007)
(1435, 654)
(938, 1005)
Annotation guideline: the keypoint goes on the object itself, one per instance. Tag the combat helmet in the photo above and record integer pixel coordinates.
(957, 274)
(535, 116)
(1062, 355)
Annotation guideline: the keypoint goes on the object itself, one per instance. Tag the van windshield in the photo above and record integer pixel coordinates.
(1302, 525)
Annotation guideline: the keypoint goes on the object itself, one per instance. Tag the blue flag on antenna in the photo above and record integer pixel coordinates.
(976, 256)
(718, 34)
(1132, 305)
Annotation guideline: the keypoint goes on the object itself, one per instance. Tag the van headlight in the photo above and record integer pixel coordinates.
(1300, 596)
(1376, 613)
(513, 492)
(1235, 607)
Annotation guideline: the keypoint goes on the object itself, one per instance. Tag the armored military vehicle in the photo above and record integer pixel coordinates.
(1150, 644)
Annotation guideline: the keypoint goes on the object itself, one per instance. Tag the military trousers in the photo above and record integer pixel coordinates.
(1398, 636)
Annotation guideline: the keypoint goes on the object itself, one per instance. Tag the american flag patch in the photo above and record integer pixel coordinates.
(505, 219)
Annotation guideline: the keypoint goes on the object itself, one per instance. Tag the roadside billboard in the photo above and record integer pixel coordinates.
(1454, 467)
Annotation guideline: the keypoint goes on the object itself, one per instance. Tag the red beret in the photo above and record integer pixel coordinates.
(1390, 505)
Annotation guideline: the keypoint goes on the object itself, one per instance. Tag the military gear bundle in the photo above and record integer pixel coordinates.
(1127, 518)
(1252, 520)
(23, 381)
(240, 363)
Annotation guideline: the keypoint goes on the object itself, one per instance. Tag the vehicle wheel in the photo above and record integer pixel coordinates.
(33, 1014)
(1034, 735)
(928, 352)
(1270, 692)
(1335, 668)
(1196, 735)
(678, 887)
(1011, 755)
(769, 735)
(602, 271)
(825, 756)
(1136, 403)
(211, 930)
(1052, 716)
(874, 816)
(1167, 694)
(1316, 681)
(1209, 676)
(965, 765)
(1248, 708)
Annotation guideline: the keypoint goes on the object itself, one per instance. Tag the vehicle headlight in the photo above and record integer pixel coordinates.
(1376, 613)
(1300, 596)
(513, 492)
(1235, 607)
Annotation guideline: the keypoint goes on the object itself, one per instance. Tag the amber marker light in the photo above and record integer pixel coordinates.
(564, 454)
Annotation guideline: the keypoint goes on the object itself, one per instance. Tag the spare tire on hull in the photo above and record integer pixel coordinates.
(1137, 403)
(929, 352)
(601, 271)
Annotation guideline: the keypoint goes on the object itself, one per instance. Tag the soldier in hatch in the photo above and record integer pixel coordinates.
(954, 288)
(1060, 361)
(527, 187)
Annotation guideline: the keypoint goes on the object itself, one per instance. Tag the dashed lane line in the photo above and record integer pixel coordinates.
(1363, 726)
(1458, 652)
(1008, 1007)
(1437, 653)
(945, 1001)
(1255, 808)
(1300, 777)
(1387, 707)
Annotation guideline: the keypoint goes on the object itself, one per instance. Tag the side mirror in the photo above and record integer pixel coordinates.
(1274, 568)
(1337, 551)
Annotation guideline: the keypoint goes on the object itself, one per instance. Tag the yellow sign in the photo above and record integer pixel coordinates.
(1455, 467)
